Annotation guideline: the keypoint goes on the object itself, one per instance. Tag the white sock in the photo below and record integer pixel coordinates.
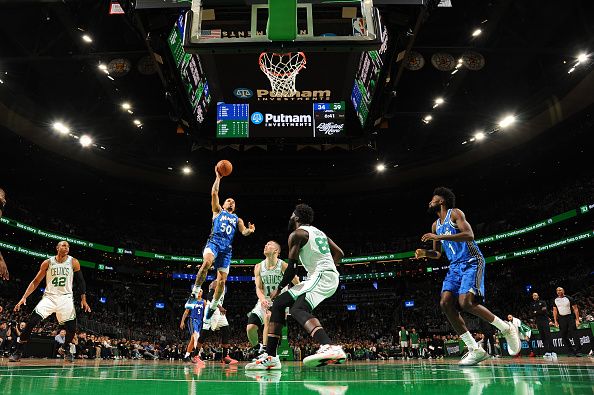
(469, 341)
(500, 324)
(187, 354)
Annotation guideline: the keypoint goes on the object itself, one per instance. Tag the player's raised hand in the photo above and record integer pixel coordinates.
(217, 173)
(429, 236)
(251, 227)
(23, 301)
(85, 306)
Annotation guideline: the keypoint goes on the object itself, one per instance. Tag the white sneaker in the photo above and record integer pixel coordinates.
(514, 344)
(326, 355)
(264, 362)
(554, 356)
(474, 357)
(547, 355)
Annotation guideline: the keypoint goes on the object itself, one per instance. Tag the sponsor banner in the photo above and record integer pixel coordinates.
(584, 337)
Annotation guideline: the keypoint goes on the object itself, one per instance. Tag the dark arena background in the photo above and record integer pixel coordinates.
(114, 114)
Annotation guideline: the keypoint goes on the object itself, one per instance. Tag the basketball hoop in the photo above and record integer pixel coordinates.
(282, 69)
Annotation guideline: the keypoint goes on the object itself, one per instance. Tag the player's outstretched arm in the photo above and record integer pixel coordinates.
(82, 286)
(434, 253)
(245, 230)
(336, 252)
(33, 284)
(214, 193)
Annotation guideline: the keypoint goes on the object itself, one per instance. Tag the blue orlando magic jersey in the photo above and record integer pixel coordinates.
(197, 313)
(456, 251)
(223, 229)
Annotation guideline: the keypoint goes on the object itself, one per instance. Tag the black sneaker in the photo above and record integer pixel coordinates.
(15, 357)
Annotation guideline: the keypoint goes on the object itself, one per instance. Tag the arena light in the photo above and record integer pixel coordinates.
(479, 136)
(476, 33)
(1, 82)
(137, 122)
(86, 38)
(186, 170)
(507, 121)
(581, 58)
(85, 140)
(427, 119)
(126, 106)
(571, 70)
(380, 167)
(437, 102)
(61, 128)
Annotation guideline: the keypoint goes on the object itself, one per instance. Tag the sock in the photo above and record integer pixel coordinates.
(321, 337)
(272, 345)
(469, 341)
(187, 354)
(500, 324)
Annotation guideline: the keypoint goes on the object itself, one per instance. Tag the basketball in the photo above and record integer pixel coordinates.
(224, 167)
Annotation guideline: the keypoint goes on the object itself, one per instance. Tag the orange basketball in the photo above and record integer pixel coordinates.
(224, 167)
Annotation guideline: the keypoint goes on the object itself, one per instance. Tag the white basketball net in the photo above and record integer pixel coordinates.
(282, 69)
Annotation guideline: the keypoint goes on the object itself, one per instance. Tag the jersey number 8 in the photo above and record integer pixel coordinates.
(322, 244)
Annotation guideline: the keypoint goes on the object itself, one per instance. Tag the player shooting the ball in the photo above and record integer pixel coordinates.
(218, 247)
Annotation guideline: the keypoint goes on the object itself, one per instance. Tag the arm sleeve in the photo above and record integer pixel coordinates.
(289, 273)
(80, 282)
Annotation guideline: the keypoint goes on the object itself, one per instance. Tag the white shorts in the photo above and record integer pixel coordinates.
(404, 344)
(414, 345)
(62, 305)
(320, 286)
(217, 321)
(259, 311)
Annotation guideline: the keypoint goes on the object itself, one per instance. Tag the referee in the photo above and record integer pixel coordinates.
(565, 321)
(538, 308)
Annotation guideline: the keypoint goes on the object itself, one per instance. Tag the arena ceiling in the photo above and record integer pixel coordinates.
(50, 73)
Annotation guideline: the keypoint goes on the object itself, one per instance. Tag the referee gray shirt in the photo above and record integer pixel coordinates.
(564, 305)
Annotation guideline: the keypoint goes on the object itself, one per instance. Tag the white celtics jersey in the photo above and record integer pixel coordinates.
(59, 276)
(315, 255)
(271, 277)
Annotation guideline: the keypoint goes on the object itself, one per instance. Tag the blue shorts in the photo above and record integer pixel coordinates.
(465, 277)
(222, 256)
(194, 325)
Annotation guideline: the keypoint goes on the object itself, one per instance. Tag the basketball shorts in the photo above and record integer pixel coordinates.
(259, 311)
(222, 256)
(465, 277)
(320, 286)
(217, 321)
(404, 344)
(62, 305)
(194, 325)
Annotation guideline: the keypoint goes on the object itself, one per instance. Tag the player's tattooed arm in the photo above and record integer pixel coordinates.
(214, 194)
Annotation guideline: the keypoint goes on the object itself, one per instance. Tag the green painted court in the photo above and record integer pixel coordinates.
(574, 376)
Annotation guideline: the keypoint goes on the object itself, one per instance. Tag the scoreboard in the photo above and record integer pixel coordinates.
(317, 119)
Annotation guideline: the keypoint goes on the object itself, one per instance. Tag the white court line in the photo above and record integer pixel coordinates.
(294, 381)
